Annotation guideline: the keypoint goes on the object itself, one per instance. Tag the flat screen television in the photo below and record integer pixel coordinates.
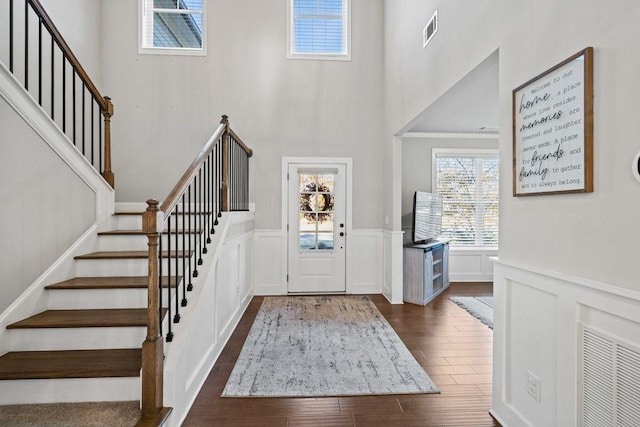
(427, 216)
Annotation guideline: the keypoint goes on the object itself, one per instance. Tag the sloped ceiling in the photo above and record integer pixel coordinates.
(468, 107)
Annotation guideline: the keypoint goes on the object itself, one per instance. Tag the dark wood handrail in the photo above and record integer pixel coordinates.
(174, 195)
(60, 41)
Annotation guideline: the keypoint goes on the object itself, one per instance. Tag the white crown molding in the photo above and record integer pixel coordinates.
(450, 135)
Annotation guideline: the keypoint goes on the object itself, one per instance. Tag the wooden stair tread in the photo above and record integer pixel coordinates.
(21, 365)
(141, 233)
(129, 255)
(87, 318)
(126, 282)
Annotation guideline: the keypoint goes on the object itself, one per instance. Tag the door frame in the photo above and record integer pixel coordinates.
(320, 161)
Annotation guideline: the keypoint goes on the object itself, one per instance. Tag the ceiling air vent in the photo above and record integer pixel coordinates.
(430, 30)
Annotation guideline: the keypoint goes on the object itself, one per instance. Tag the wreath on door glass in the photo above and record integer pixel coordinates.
(324, 206)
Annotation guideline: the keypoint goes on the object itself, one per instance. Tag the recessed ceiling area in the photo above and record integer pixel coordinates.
(470, 106)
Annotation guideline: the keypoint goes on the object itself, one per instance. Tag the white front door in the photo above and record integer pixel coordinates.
(317, 229)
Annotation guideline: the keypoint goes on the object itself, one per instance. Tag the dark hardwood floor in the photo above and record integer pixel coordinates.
(454, 348)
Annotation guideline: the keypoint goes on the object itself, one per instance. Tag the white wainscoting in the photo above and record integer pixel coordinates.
(537, 323)
(392, 271)
(219, 298)
(366, 263)
(365, 260)
(471, 265)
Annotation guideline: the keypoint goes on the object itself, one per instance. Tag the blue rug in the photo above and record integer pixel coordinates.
(479, 307)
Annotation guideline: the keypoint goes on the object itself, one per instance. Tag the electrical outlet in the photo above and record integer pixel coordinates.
(533, 386)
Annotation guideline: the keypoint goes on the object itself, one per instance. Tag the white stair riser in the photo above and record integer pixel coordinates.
(141, 243)
(123, 267)
(69, 299)
(76, 338)
(134, 222)
(129, 222)
(69, 390)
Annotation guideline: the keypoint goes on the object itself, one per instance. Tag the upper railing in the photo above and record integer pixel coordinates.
(40, 58)
(180, 232)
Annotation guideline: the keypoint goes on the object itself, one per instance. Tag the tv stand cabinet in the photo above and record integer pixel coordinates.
(426, 271)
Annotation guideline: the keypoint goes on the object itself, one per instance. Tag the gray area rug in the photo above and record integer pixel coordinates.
(479, 307)
(324, 346)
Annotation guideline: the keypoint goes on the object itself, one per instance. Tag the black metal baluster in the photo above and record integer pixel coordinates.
(40, 61)
(53, 72)
(11, 35)
(160, 278)
(209, 200)
(73, 109)
(190, 236)
(176, 260)
(169, 336)
(205, 236)
(234, 183)
(100, 139)
(194, 235)
(218, 167)
(26, 45)
(183, 303)
(64, 94)
(84, 90)
(199, 218)
(186, 254)
(93, 131)
(169, 290)
(212, 196)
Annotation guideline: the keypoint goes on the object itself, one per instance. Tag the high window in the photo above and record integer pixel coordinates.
(319, 29)
(468, 183)
(172, 27)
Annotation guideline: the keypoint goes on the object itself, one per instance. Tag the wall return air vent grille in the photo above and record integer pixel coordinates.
(430, 30)
(610, 386)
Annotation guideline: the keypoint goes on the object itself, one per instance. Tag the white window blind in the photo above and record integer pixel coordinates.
(319, 29)
(468, 184)
(172, 26)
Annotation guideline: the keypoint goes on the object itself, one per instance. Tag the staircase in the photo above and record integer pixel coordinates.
(93, 329)
(99, 334)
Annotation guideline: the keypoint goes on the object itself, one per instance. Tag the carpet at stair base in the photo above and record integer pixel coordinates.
(121, 414)
(479, 307)
(324, 346)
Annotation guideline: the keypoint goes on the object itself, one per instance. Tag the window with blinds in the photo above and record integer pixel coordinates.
(172, 26)
(468, 184)
(319, 29)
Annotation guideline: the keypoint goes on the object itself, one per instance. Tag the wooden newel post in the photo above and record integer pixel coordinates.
(224, 191)
(153, 346)
(107, 174)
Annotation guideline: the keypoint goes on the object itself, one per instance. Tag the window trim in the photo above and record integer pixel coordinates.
(146, 5)
(475, 152)
(346, 35)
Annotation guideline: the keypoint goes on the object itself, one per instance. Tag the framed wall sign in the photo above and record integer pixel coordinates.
(553, 130)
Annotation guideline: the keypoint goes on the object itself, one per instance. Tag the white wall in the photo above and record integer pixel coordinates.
(584, 237)
(46, 205)
(167, 106)
(80, 23)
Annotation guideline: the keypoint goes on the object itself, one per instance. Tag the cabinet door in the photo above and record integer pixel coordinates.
(428, 275)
